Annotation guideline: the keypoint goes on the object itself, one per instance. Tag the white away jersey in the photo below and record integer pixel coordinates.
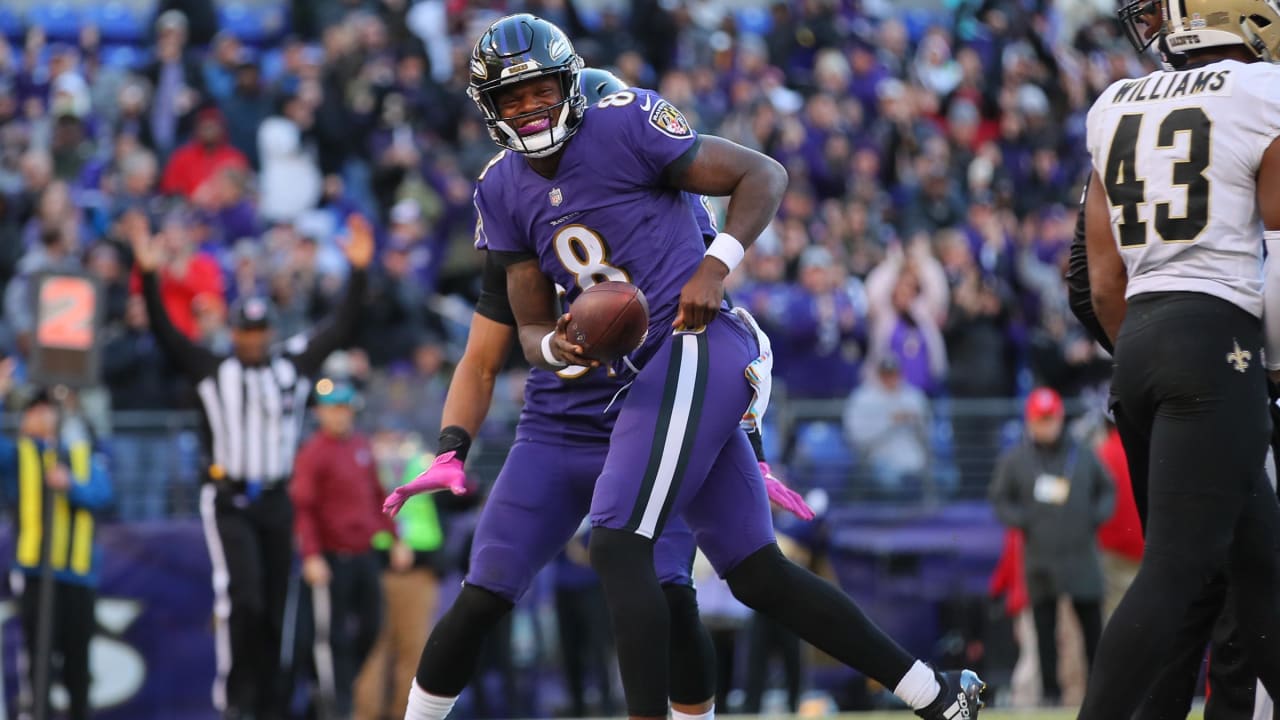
(1178, 153)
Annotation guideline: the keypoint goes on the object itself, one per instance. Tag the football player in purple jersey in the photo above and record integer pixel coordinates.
(587, 194)
(542, 496)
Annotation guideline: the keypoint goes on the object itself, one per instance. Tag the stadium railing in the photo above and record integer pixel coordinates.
(805, 439)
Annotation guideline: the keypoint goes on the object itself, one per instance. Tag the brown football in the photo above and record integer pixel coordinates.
(609, 320)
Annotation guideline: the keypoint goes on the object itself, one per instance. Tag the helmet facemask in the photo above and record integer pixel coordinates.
(564, 117)
(1137, 17)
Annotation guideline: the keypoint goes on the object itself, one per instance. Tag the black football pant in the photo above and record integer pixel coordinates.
(1211, 621)
(453, 652)
(1045, 613)
(73, 625)
(251, 549)
(1190, 379)
(766, 639)
(585, 645)
(347, 616)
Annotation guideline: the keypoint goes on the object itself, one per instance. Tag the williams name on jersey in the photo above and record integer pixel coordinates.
(1170, 85)
(1177, 152)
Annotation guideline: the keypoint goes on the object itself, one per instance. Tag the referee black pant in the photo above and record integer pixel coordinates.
(251, 550)
(1189, 376)
(73, 625)
(347, 614)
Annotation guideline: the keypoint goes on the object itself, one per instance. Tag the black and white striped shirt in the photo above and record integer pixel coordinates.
(253, 414)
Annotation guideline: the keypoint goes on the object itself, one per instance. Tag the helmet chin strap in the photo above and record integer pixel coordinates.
(541, 144)
(1175, 61)
(550, 149)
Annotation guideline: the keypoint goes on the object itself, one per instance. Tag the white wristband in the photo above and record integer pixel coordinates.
(548, 355)
(727, 250)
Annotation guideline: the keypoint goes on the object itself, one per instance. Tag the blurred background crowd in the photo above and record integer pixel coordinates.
(935, 154)
(911, 283)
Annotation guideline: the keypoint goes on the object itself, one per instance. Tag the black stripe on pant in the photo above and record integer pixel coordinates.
(257, 546)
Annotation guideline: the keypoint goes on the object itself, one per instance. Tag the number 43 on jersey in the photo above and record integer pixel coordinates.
(1127, 188)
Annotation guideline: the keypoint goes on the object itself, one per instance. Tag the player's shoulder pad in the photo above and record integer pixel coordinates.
(1100, 106)
(1104, 98)
(1261, 82)
(640, 105)
(495, 161)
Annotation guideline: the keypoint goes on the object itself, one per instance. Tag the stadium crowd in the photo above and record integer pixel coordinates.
(935, 159)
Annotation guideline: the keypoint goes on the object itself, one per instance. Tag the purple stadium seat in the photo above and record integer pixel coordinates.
(253, 23)
(60, 20)
(118, 22)
(125, 57)
(822, 458)
(753, 21)
(11, 25)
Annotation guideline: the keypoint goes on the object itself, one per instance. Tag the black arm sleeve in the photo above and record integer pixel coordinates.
(494, 303)
(1078, 290)
(192, 360)
(757, 444)
(506, 258)
(674, 170)
(337, 331)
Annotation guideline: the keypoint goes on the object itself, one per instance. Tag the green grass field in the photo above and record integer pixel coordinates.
(1001, 714)
(985, 715)
(1064, 714)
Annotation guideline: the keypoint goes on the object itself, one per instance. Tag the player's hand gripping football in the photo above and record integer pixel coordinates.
(700, 298)
(783, 496)
(445, 473)
(565, 349)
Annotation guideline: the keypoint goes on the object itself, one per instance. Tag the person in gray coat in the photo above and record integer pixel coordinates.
(1057, 493)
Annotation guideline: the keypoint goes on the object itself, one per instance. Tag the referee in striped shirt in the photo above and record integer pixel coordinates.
(253, 404)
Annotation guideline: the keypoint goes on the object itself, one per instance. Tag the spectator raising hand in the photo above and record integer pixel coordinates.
(136, 229)
(8, 367)
(360, 245)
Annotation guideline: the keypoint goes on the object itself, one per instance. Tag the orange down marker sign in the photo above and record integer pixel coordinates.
(66, 314)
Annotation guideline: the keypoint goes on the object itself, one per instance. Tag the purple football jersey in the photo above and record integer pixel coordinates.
(571, 407)
(705, 215)
(607, 214)
(568, 406)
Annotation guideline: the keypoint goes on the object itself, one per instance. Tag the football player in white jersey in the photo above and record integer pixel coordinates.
(1236, 694)
(1186, 174)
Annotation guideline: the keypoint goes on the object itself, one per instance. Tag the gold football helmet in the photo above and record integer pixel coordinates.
(1192, 25)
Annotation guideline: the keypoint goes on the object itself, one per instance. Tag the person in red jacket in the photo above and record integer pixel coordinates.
(338, 508)
(1120, 537)
(188, 277)
(200, 159)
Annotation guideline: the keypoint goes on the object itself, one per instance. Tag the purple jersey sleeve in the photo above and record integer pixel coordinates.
(705, 215)
(493, 221)
(656, 133)
(482, 238)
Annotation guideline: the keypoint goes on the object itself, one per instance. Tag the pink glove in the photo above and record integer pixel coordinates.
(783, 496)
(445, 473)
